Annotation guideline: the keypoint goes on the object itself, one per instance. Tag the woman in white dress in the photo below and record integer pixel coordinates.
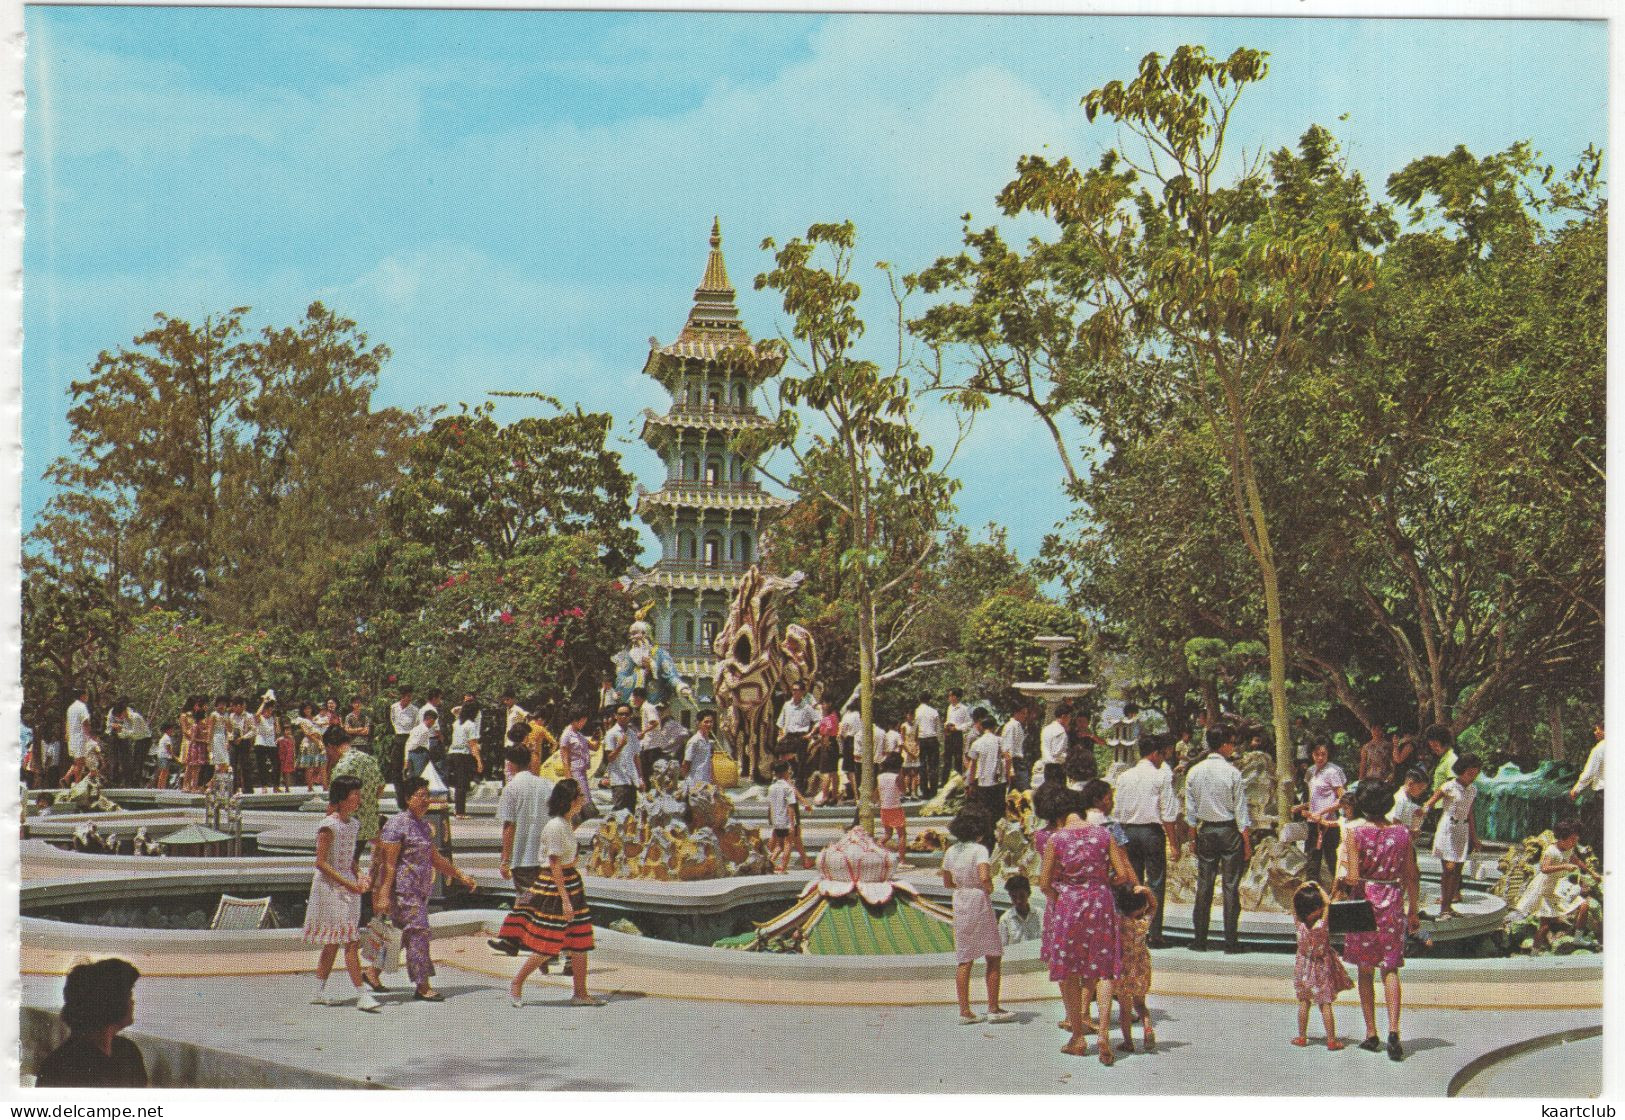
(1456, 836)
(333, 913)
(1541, 899)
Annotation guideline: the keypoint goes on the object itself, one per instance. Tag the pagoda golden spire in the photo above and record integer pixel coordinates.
(716, 273)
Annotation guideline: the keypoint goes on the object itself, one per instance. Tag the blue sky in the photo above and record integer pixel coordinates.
(519, 200)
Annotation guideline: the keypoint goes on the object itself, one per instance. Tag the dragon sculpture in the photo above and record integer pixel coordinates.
(753, 663)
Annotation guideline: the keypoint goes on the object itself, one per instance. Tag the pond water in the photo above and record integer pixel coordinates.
(194, 910)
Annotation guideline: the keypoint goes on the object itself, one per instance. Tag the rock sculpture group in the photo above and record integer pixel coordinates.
(677, 832)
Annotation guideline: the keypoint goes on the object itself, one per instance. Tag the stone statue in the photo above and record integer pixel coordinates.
(645, 665)
(753, 663)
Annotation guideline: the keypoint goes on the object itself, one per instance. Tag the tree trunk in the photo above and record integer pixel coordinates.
(1276, 627)
(866, 705)
(1555, 720)
(1210, 701)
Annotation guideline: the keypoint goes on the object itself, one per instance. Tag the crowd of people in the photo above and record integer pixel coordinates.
(1104, 845)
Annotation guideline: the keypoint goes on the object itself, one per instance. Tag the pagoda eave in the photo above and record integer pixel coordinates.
(658, 429)
(745, 501)
(755, 361)
(659, 579)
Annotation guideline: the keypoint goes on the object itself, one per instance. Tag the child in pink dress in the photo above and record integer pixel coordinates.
(1135, 905)
(1318, 974)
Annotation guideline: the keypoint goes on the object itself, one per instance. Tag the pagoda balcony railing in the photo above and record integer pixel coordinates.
(713, 487)
(721, 567)
(683, 408)
(700, 651)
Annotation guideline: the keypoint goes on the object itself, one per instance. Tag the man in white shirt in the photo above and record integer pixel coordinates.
(1052, 741)
(522, 813)
(80, 733)
(987, 769)
(1590, 781)
(663, 740)
(928, 732)
(127, 733)
(515, 714)
(645, 713)
(419, 749)
(1144, 804)
(1216, 807)
(797, 719)
(1014, 737)
(403, 716)
(959, 727)
(698, 751)
(621, 747)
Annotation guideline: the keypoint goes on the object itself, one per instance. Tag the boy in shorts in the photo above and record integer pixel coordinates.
(782, 801)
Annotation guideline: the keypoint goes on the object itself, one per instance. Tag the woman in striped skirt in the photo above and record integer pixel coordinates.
(554, 918)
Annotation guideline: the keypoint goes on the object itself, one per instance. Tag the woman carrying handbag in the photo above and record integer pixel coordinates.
(1375, 863)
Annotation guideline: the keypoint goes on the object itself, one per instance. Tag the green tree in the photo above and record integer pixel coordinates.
(152, 429)
(1194, 284)
(865, 412)
(305, 482)
(473, 485)
(998, 647)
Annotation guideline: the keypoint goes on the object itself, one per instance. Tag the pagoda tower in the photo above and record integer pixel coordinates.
(710, 511)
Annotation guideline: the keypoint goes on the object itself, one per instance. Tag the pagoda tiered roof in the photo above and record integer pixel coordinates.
(654, 505)
(713, 333)
(657, 429)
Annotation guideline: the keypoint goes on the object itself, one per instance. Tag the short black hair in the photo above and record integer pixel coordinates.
(579, 713)
(335, 736)
(705, 714)
(1017, 884)
(891, 764)
(519, 756)
(563, 796)
(1416, 774)
(97, 994)
(411, 786)
(1095, 792)
(1465, 763)
(1307, 901)
(1130, 900)
(970, 823)
(1371, 799)
(1151, 744)
(1130, 709)
(519, 732)
(1219, 736)
(341, 787)
(1565, 828)
(781, 767)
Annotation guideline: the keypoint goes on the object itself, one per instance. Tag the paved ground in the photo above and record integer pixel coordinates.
(475, 1040)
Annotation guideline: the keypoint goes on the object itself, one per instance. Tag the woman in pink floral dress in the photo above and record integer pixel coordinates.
(1081, 944)
(1376, 863)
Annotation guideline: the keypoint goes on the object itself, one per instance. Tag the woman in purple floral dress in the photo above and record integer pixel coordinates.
(1376, 863)
(406, 849)
(1081, 944)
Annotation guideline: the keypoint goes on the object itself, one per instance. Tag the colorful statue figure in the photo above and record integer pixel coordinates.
(645, 665)
(753, 663)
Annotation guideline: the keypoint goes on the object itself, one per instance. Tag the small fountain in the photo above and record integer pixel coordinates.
(1052, 690)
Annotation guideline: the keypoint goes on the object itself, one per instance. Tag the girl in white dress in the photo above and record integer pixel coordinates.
(966, 872)
(1541, 899)
(1456, 836)
(333, 914)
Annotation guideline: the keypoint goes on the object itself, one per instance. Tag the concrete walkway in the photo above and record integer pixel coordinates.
(475, 1040)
